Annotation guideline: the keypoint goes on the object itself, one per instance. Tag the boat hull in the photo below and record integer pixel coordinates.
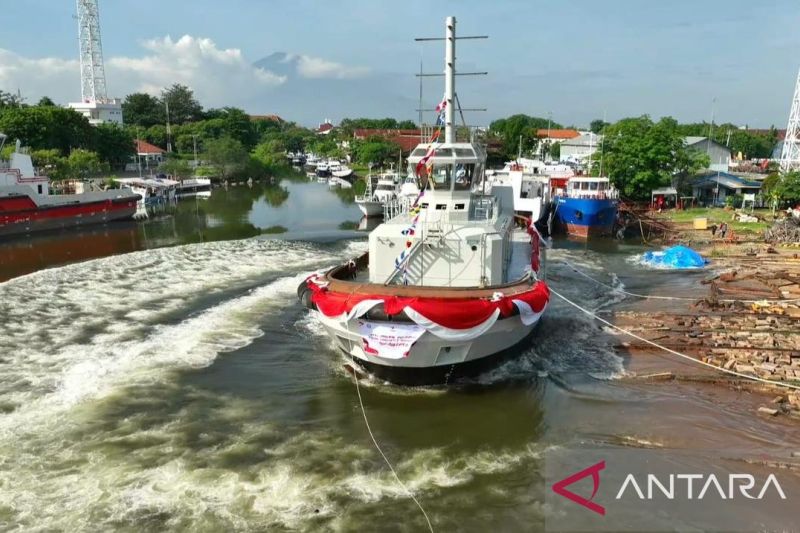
(370, 208)
(587, 217)
(56, 217)
(432, 360)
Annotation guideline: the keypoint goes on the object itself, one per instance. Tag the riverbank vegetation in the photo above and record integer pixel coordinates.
(638, 154)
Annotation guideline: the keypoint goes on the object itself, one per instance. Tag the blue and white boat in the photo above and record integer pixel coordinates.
(588, 207)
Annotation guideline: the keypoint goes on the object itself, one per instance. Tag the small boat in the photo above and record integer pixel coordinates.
(339, 182)
(380, 190)
(588, 206)
(450, 286)
(323, 169)
(340, 171)
(153, 190)
(26, 205)
(194, 188)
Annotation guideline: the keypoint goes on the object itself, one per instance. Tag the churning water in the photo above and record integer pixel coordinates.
(185, 388)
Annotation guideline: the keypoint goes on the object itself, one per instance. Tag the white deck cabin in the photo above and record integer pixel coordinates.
(591, 187)
(462, 238)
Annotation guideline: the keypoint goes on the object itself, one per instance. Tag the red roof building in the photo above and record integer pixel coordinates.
(406, 139)
(557, 135)
(325, 128)
(149, 152)
(145, 148)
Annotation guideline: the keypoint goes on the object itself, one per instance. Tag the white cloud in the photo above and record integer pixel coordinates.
(316, 67)
(218, 76)
(37, 77)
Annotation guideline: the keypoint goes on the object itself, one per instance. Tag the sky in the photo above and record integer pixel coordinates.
(308, 60)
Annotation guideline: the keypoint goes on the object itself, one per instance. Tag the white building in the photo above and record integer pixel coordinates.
(580, 148)
(104, 112)
(719, 155)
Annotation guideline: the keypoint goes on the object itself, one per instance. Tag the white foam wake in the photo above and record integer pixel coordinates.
(80, 331)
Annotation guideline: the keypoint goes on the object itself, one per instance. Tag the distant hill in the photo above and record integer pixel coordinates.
(334, 95)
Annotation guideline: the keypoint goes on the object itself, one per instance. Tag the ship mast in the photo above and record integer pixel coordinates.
(450, 96)
(450, 79)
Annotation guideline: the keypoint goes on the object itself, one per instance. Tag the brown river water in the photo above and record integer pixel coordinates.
(161, 375)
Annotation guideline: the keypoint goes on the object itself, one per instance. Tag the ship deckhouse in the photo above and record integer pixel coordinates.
(460, 235)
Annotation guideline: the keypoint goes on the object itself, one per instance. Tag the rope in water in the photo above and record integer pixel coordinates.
(658, 297)
(375, 441)
(673, 352)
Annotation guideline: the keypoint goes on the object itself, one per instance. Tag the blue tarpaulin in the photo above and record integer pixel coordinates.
(674, 257)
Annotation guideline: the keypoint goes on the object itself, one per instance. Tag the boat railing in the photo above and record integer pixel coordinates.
(609, 194)
(396, 207)
(483, 208)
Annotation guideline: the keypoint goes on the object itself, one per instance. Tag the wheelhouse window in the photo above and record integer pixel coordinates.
(464, 176)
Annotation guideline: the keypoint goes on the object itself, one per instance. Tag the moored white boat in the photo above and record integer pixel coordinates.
(194, 188)
(449, 287)
(341, 171)
(380, 190)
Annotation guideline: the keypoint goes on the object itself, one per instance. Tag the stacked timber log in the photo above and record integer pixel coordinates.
(749, 323)
(639, 219)
(786, 230)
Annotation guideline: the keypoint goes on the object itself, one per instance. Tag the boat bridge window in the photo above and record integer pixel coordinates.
(440, 175)
(593, 185)
(464, 176)
(384, 187)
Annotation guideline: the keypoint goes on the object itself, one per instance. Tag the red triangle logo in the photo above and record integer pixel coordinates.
(560, 487)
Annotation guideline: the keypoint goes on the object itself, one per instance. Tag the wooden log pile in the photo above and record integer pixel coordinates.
(786, 230)
(757, 335)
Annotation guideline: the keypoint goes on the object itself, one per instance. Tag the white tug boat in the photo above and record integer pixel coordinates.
(449, 287)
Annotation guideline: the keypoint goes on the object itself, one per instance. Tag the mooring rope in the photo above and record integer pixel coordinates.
(372, 435)
(659, 297)
(673, 352)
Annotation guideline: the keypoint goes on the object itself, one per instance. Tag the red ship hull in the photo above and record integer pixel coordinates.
(21, 214)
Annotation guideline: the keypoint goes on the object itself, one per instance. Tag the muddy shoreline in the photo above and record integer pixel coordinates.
(744, 316)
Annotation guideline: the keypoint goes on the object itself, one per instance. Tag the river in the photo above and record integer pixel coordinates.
(161, 374)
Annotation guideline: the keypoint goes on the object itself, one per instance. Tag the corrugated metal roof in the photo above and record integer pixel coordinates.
(731, 181)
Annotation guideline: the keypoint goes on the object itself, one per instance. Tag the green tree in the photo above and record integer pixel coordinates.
(519, 132)
(325, 146)
(156, 135)
(788, 188)
(183, 107)
(41, 127)
(237, 125)
(45, 101)
(640, 155)
(597, 125)
(176, 167)
(271, 153)
(50, 163)
(85, 163)
(114, 144)
(376, 150)
(227, 155)
(144, 110)
(9, 100)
